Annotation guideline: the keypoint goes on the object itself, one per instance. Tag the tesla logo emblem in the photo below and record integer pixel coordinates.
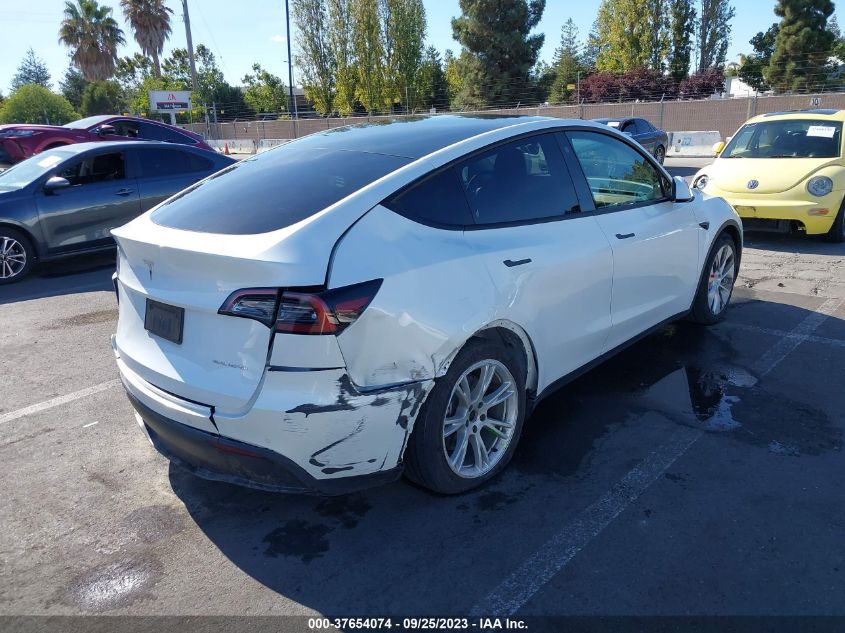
(753, 184)
(150, 265)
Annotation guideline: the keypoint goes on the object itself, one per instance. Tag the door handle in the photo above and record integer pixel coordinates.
(624, 236)
(123, 192)
(511, 263)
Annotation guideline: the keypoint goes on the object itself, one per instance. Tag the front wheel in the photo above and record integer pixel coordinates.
(468, 428)
(717, 282)
(837, 231)
(16, 255)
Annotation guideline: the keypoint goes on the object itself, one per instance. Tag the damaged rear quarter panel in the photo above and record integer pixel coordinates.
(388, 344)
(320, 420)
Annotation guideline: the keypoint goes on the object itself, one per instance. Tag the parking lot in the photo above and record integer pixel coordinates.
(700, 472)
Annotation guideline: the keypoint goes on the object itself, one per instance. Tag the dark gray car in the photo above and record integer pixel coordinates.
(65, 201)
(654, 140)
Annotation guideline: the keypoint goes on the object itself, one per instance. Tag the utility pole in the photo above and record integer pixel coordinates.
(187, 20)
(290, 69)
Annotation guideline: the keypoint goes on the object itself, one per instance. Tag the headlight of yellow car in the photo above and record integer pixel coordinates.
(820, 186)
(701, 182)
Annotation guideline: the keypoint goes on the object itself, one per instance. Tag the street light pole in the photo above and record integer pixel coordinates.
(290, 68)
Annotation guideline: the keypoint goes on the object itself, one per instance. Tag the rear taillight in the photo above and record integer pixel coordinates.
(327, 312)
(252, 303)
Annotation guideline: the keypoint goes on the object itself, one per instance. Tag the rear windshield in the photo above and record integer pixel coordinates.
(786, 138)
(274, 190)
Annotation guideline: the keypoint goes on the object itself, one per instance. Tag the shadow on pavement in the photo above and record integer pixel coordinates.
(399, 549)
(81, 273)
(792, 243)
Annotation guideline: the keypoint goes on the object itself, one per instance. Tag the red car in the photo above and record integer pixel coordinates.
(20, 141)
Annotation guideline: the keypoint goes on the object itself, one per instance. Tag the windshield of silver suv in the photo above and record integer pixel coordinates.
(786, 138)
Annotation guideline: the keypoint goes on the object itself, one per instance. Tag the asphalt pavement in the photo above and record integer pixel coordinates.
(700, 472)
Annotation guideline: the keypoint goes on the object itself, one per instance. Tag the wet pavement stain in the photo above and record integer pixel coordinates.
(155, 523)
(299, 539)
(115, 584)
(492, 500)
(347, 510)
(89, 318)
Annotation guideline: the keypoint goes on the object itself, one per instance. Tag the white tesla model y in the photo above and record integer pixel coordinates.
(396, 297)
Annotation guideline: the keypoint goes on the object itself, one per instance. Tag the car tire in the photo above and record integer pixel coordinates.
(447, 421)
(715, 287)
(16, 255)
(660, 154)
(836, 234)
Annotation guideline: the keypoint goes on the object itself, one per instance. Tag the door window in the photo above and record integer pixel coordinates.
(124, 127)
(630, 127)
(159, 163)
(617, 174)
(521, 181)
(94, 169)
(154, 132)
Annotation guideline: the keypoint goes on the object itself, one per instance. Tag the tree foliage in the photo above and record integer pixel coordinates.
(681, 31)
(753, 67)
(93, 37)
(567, 64)
(367, 42)
(150, 23)
(72, 86)
(703, 84)
(499, 50)
(802, 46)
(211, 85)
(713, 33)
(264, 91)
(341, 42)
(433, 89)
(102, 97)
(404, 37)
(632, 35)
(314, 58)
(32, 70)
(32, 103)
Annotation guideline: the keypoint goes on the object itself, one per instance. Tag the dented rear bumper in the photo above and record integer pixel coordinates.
(302, 431)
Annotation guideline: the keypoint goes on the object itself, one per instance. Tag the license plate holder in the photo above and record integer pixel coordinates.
(165, 321)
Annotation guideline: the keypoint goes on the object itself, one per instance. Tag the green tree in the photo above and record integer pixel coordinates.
(102, 97)
(314, 58)
(432, 89)
(802, 47)
(150, 23)
(592, 48)
(72, 86)
(32, 103)
(211, 85)
(499, 50)
(753, 67)
(681, 31)
(264, 91)
(93, 37)
(454, 78)
(633, 34)
(32, 70)
(367, 38)
(404, 30)
(341, 43)
(567, 64)
(713, 33)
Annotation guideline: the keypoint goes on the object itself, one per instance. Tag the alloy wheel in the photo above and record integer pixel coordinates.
(721, 281)
(480, 418)
(12, 257)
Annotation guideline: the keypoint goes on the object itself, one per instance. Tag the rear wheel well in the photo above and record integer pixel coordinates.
(513, 337)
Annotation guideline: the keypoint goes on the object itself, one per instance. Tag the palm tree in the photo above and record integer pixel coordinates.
(93, 35)
(150, 21)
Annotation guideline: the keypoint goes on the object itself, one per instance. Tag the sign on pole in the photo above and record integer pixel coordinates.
(170, 100)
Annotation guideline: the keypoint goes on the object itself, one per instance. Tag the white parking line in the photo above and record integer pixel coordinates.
(834, 342)
(58, 401)
(527, 579)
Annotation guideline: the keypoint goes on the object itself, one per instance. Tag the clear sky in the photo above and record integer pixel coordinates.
(243, 32)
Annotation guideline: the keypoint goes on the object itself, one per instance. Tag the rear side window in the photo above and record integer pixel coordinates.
(273, 190)
(159, 163)
(521, 181)
(153, 132)
(437, 200)
(617, 173)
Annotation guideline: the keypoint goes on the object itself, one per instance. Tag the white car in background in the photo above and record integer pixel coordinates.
(398, 296)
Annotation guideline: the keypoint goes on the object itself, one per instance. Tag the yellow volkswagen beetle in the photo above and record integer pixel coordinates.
(783, 171)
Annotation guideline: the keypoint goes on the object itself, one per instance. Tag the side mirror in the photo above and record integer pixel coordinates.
(719, 147)
(55, 183)
(106, 129)
(682, 191)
